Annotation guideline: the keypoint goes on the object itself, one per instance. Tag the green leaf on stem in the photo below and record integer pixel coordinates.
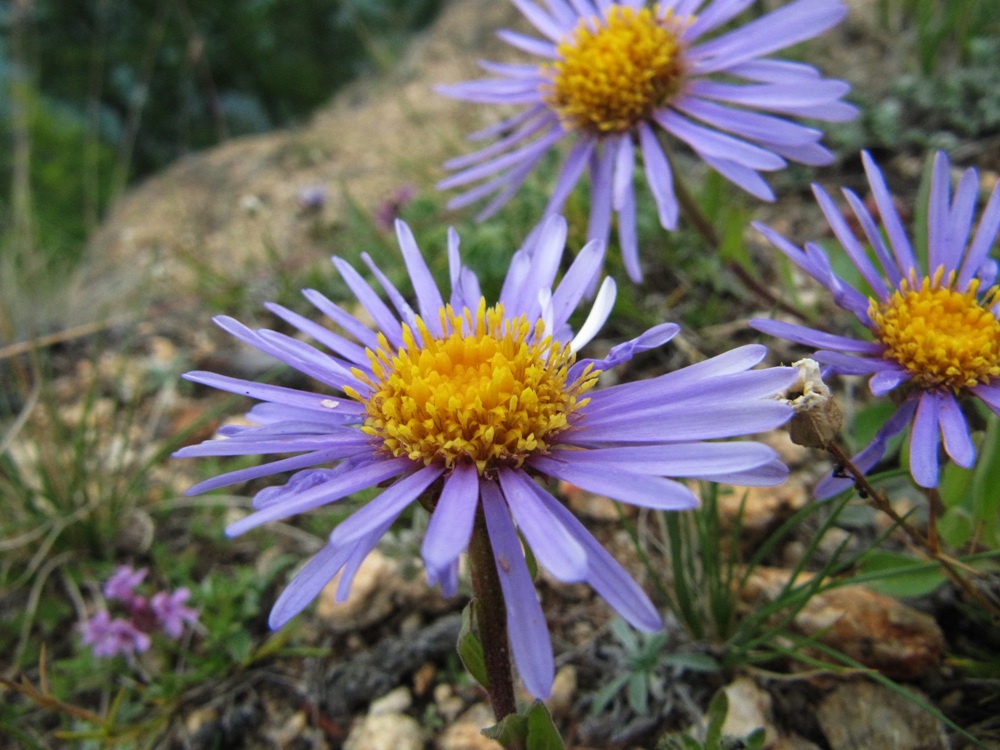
(542, 732)
(532, 728)
(509, 730)
(470, 650)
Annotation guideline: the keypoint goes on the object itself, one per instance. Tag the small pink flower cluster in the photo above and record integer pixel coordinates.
(163, 612)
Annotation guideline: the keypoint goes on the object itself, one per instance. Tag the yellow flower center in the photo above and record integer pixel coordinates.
(945, 338)
(610, 76)
(491, 390)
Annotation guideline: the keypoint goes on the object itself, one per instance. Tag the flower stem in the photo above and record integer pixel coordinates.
(491, 619)
(703, 225)
(952, 568)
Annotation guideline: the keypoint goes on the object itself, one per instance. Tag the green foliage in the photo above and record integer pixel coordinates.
(970, 497)
(531, 728)
(944, 32)
(643, 658)
(470, 649)
(921, 112)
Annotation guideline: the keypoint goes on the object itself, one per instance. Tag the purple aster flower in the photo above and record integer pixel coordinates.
(171, 614)
(108, 637)
(464, 405)
(617, 76)
(935, 333)
(120, 585)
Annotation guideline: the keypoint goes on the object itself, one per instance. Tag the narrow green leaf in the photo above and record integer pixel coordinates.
(695, 662)
(903, 575)
(717, 711)
(470, 650)
(604, 696)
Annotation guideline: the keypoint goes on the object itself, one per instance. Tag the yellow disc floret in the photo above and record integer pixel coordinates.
(611, 75)
(946, 338)
(491, 391)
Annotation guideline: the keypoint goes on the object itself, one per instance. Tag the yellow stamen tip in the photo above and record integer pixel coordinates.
(945, 338)
(491, 391)
(612, 75)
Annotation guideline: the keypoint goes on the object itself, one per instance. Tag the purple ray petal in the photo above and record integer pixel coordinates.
(575, 282)
(604, 573)
(451, 522)
(614, 482)
(781, 28)
(628, 238)
(362, 548)
(338, 344)
(845, 235)
(556, 549)
(924, 441)
(273, 393)
(885, 380)
(711, 143)
(601, 189)
(659, 175)
(572, 168)
(677, 459)
(688, 421)
(937, 214)
(264, 470)
(742, 176)
(715, 15)
(528, 44)
(844, 364)
(540, 19)
(990, 395)
(529, 635)
(955, 432)
(624, 164)
(346, 484)
(750, 125)
(984, 239)
(429, 298)
(384, 508)
(898, 240)
(385, 321)
(960, 218)
(768, 475)
(812, 337)
(307, 584)
(341, 317)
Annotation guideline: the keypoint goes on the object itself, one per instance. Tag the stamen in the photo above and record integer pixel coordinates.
(947, 339)
(492, 390)
(613, 73)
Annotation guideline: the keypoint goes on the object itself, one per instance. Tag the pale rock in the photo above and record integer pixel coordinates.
(394, 702)
(759, 510)
(749, 709)
(448, 704)
(862, 715)
(386, 732)
(466, 733)
(560, 701)
(370, 599)
(877, 630)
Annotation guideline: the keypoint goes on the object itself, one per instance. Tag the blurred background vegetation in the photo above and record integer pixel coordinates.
(99, 93)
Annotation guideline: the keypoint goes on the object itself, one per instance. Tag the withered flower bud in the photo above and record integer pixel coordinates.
(817, 417)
